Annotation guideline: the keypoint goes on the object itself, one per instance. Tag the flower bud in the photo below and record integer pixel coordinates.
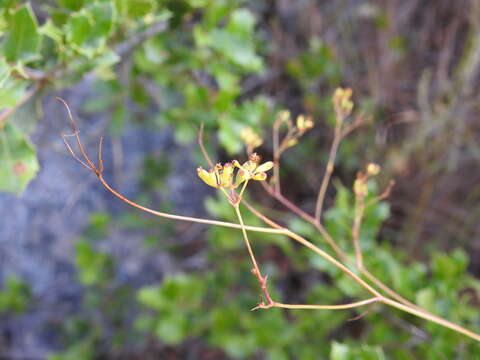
(360, 188)
(250, 138)
(373, 169)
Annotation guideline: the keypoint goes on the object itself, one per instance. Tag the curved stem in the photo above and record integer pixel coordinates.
(256, 270)
(328, 174)
(332, 260)
(357, 222)
(245, 238)
(433, 318)
(184, 218)
(327, 307)
(328, 238)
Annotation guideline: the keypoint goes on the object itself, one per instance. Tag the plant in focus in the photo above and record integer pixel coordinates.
(231, 176)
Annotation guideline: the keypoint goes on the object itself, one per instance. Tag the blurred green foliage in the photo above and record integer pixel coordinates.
(195, 68)
(192, 70)
(15, 296)
(214, 305)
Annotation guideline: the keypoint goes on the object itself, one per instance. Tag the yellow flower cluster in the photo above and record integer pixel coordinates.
(225, 177)
(250, 138)
(342, 101)
(360, 186)
(304, 123)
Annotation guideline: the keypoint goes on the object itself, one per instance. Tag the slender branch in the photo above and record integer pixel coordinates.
(317, 250)
(386, 289)
(328, 174)
(433, 318)
(86, 162)
(414, 310)
(202, 146)
(331, 242)
(328, 307)
(325, 234)
(276, 155)
(185, 218)
(276, 228)
(357, 221)
(307, 217)
(245, 237)
(256, 270)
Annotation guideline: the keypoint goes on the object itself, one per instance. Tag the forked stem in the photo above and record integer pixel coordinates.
(276, 229)
(262, 280)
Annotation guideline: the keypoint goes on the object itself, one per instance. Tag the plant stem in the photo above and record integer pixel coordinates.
(328, 238)
(433, 318)
(328, 174)
(245, 237)
(256, 270)
(410, 308)
(357, 222)
(185, 218)
(327, 307)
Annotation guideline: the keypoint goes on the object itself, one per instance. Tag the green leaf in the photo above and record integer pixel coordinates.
(52, 31)
(88, 29)
(172, 328)
(15, 296)
(135, 9)
(22, 41)
(18, 161)
(73, 5)
(5, 71)
(339, 351)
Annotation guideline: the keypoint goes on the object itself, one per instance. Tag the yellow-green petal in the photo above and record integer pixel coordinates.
(265, 166)
(226, 176)
(260, 176)
(208, 177)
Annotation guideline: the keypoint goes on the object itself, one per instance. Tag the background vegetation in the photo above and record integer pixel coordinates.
(85, 277)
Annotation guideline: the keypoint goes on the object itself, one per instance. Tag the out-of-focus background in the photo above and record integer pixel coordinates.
(85, 276)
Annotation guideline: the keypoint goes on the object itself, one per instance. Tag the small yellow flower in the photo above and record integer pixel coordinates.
(283, 116)
(304, 123)
(342, 101)
(250, 138)
(226, 176)
(373, 169)
(208, 177)
(223, 176)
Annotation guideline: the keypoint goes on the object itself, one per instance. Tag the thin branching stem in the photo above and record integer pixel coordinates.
(331, 242)
(256, 270)
(185, 218)
(328, 174)
(275, 229)
(327, 307)
(247, 242)
(276, 155)
(357, 221)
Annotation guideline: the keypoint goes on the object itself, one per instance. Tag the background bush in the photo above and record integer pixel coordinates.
(146, 74)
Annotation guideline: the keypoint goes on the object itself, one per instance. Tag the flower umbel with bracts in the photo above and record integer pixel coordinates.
(224, 177)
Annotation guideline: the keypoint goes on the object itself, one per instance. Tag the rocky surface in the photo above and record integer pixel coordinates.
(39, 228)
